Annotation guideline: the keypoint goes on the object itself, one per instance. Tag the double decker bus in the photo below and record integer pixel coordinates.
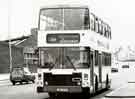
(74, 51)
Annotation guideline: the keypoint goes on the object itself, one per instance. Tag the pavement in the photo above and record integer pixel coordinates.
(4, 76)
(20, 91)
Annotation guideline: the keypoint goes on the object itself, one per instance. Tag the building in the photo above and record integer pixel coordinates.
(29, 45)
(17, 57)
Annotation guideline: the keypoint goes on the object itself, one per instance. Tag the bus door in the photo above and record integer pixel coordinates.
(92, 69)
(100, 66)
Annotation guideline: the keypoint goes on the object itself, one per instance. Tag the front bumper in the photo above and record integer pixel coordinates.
(65, 89)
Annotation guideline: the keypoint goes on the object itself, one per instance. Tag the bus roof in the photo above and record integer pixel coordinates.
(64, 6)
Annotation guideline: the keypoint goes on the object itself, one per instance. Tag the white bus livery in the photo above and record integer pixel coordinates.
(74, 51)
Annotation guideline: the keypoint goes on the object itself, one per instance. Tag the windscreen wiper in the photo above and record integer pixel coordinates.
(51, 67)
(71, 62)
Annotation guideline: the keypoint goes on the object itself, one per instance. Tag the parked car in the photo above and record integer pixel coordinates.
(21, 74)
(113, 69)
(125, 66)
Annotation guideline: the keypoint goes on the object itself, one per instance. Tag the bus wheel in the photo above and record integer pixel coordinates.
(39, 89)
(96, 83)
(21, 82)
(52, 95)
(107, 82)
(13, 82)
(86, 93)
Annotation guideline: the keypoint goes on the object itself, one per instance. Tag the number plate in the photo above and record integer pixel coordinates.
(62, 89)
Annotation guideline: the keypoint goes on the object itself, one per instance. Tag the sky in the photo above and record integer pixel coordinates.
(23, 15)
(15, 18)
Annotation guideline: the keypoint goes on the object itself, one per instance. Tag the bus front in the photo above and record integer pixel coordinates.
(64, 61)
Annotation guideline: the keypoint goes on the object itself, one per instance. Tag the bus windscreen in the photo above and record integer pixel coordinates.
(64, 58)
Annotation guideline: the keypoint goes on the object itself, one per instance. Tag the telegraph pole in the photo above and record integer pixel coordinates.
(9, 38)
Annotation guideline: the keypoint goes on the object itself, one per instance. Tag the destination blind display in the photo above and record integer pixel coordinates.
(63, 38)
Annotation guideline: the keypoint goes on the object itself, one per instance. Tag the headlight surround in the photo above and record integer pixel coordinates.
(85, 76)
(85, 81)
(46, 83)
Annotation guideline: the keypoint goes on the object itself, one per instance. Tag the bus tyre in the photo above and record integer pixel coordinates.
(13, 82)
(107, 82)
(86, 93)
(39, 89)
(96, 83)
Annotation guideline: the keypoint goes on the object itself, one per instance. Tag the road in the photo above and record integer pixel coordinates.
(25, 91)
(28, 91)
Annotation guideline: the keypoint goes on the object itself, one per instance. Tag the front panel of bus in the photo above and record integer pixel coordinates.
(64, 68)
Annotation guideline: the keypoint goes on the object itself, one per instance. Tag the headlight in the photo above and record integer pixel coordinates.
(78, 83)
(46, 83)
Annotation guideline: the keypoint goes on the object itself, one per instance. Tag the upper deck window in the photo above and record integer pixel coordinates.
(100, 26)
(109, 30)
(106, 32)
(64, 19)
(92, 22)
(96, 25)
(103, 28)
(108, 35)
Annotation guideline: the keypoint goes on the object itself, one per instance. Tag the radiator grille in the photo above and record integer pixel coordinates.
(61, 80)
